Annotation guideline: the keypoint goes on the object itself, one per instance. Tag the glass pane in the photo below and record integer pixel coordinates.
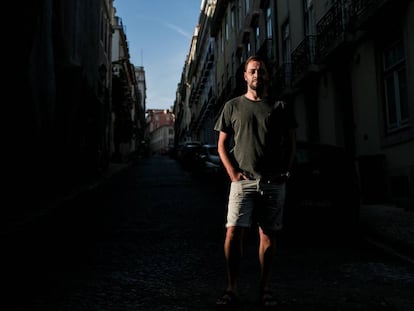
(399, 51)
(403, 95)
(394, 55)
(391, 108)
(387, 59)
(285, 32)
(269, 22)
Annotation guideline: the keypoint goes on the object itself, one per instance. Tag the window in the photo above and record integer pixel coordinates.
(222, 42)
(233, 62)
(227, 72)
(246, 6)
(269, 32)
(257, 38)
(232, 17)
(286, 42)
(286, 52)
(104, 28)
(395, 86)
(247, 48)
(310, 28)
(226, 29)
(71, 28)
(219, 41)
(309, 17)
(239, 16)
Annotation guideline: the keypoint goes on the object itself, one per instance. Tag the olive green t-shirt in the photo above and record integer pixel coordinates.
(260, 130)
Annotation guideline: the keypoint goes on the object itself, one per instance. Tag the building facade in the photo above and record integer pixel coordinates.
(67, 91)
(345, 71)
(196, 93)
(76, 78)
(160, 126)
(128, 99)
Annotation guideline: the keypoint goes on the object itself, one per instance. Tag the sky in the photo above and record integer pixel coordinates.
(159, 35)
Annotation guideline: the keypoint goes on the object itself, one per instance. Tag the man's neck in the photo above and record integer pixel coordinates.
(254, 95)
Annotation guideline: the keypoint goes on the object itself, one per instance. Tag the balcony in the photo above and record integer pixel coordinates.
(243, 36)
(254, 21)
(266, 50)
(340, 25)
(364, 11)
(282, 78)
(331, 30)
(208, 64)
(304, 58)
(209, 61)
(218, 16)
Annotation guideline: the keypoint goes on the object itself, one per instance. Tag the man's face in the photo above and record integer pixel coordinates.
(255, 75)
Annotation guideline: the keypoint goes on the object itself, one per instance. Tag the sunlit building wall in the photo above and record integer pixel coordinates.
(344, 70)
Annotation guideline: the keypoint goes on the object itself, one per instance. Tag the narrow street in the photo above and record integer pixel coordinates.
(151, 237)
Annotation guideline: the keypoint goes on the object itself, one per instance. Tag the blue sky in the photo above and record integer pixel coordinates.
(159, 35)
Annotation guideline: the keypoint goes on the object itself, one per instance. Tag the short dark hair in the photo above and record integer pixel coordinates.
(255, 58)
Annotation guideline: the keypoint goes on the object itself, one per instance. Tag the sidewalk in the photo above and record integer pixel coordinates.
(20, 220)
(389, 225)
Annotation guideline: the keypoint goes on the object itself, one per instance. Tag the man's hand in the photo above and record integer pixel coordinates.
(237, 176)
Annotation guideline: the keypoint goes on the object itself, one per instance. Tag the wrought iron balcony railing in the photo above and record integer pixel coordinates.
(303, 56)
(361, 6)
(282, 78)
(362, 10)
(331, 28)
(266, 49)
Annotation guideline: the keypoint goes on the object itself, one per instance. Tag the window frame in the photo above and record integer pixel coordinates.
(393, 68)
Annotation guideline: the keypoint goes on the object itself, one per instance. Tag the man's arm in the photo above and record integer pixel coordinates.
(223, 150)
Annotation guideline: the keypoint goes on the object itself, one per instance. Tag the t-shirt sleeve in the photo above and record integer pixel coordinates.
(223, 123)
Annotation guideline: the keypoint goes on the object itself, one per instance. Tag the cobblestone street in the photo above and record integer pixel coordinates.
(151, 239)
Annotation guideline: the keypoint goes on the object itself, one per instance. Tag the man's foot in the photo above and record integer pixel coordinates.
(227, 300)
(267, 299)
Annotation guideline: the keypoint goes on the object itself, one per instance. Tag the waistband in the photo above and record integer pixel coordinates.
(279, 177)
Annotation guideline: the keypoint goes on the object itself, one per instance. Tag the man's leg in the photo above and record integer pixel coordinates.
(233, 251)
(267, 249)
(239, 216)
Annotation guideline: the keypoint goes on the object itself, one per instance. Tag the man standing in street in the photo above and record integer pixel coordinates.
(256, 144)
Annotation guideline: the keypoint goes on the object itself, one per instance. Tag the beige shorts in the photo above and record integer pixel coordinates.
(256, 201)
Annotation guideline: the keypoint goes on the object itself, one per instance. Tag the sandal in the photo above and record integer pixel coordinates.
(268, 300)
(228, 300)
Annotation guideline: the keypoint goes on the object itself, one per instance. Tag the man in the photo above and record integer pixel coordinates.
(263, 136)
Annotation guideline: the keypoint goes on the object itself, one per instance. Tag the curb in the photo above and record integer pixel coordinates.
(48, 206)
(389, 227)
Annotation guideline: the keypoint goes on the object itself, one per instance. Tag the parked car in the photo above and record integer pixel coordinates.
(208, 160)
(322, 192)
(187, 154)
